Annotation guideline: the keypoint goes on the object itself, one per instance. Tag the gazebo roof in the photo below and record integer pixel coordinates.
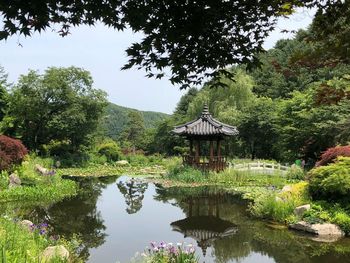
(205, 125)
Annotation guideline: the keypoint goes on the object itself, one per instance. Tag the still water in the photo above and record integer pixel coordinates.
(117, 217)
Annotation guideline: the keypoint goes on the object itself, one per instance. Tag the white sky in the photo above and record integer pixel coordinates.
(102, 51)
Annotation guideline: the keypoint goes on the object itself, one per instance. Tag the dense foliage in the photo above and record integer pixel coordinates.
(332, 153)
(331, 182)
(116, 120)
(290, 108)
(193, 39)
(59, 107)
(12, 152)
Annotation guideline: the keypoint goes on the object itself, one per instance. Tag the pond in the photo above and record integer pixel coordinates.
(117, 217)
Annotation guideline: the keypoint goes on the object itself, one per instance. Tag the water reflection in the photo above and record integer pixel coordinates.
(217, 221)
(239, 238)
(133, 192)
(203, 222)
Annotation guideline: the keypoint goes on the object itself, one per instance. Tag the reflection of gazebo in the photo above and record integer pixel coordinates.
(205, 128)
(204, 229)
(203, 222)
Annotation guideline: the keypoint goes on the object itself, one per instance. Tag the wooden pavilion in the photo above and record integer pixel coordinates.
(203, 129)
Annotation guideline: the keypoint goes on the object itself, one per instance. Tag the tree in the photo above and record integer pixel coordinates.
(3, 92)
(58, 105)
(192, 38)
(134, 130)
(257, 128)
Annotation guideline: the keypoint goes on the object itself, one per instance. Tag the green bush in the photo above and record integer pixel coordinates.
(316, 215)
(56, 148)
(270, 207)
(342, 219)
(295, 173)
(280, 206)
(331, 181)
(110, 149)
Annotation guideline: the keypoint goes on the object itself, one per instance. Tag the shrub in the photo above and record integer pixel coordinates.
(110, 149)
(295, 173)
(12, 152)
(56, 148)
(343, 220)
(331, 154)
(331, 181)
(280, 207)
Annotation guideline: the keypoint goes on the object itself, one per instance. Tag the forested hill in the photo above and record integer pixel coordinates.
(117, 117)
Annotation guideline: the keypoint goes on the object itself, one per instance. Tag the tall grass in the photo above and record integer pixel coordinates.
(18, 244)
(186, 174)
(280, 206)
(233, 177)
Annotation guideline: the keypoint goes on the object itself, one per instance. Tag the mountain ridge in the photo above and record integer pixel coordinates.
(116, 118)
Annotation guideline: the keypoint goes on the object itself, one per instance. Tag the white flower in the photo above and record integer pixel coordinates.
(179, 244)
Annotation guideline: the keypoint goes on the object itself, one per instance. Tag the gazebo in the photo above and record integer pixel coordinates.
(205, 128)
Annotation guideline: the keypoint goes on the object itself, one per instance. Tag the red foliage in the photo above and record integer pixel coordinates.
(331, 154)
(12, 151)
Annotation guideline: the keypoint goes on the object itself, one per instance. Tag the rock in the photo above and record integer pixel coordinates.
(14, 180)
(27, 224)
(122, 162)
(55, 252)
(286, 188)
(43, 171)
(300, 210)
(328, 229)
(325, 229)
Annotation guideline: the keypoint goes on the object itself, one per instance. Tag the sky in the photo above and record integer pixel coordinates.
(101, 51)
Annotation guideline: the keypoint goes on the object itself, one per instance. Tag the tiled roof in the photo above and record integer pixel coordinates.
(205, 125)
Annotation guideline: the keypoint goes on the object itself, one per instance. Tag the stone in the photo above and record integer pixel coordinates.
(122, 163)
(43, 171)
(300, 210)
(59, 252)
(26, 224)
(286, 188)
(325, 229)
(14, 180)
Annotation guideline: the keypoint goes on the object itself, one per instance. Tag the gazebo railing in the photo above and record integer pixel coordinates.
(216, 163)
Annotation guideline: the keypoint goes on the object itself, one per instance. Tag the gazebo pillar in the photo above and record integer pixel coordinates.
(198, 149)
(218, 147)
(191, 146)
(211, 151)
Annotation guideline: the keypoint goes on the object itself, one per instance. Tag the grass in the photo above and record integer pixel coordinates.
(49, 193)
(18, 244)
(34, 187)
